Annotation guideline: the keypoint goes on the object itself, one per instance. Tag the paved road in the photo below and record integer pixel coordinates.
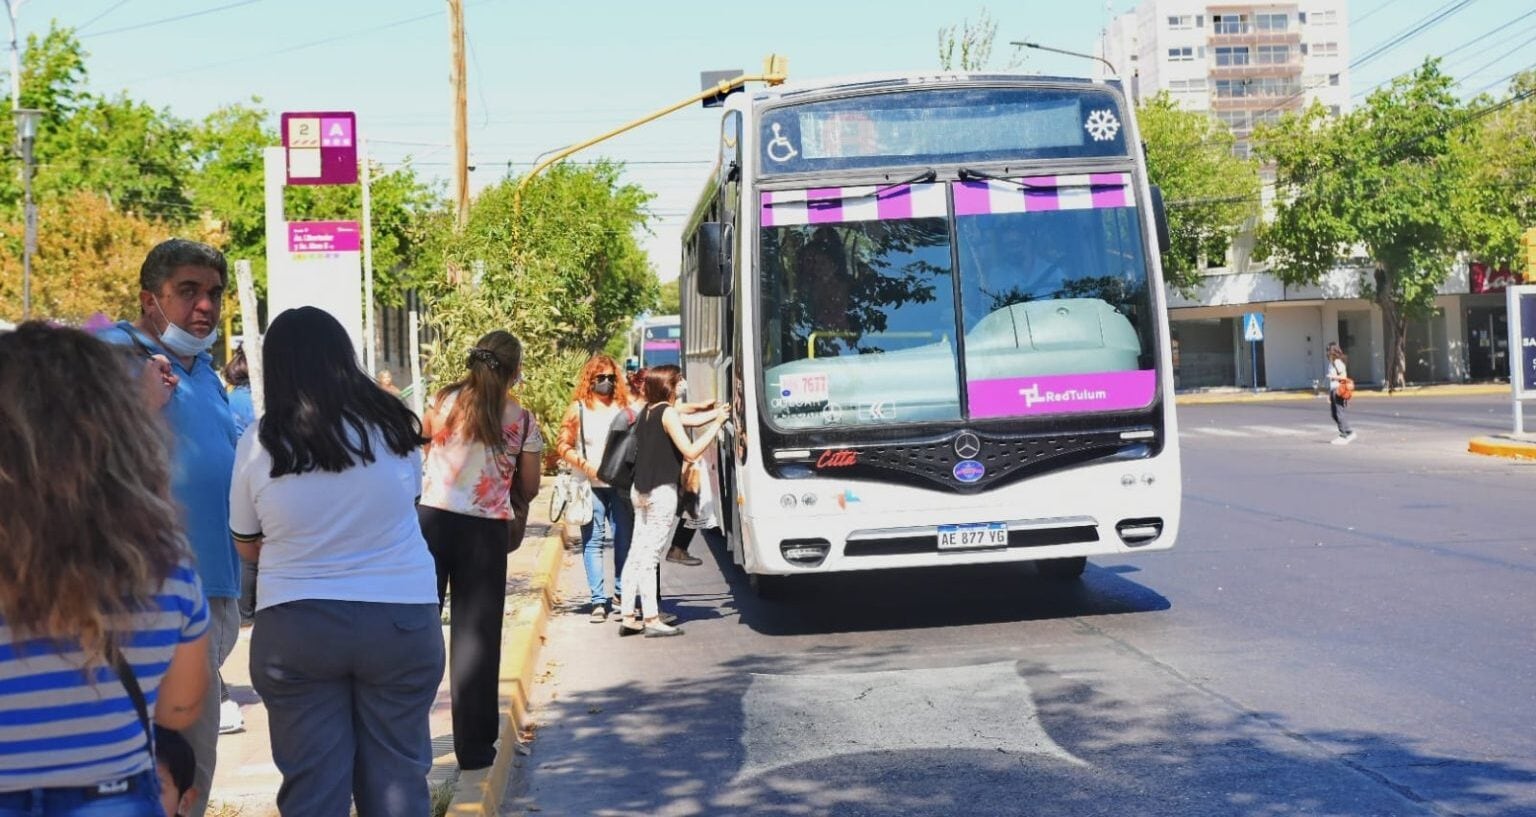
(1341, 630)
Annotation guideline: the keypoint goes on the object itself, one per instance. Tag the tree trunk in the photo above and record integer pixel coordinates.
(1396, 326)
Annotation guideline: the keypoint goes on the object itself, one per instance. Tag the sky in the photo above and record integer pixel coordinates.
(549, 73)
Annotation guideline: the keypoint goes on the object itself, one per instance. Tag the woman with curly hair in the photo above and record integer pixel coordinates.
(601, 394)
(102, 616)
(482, 448)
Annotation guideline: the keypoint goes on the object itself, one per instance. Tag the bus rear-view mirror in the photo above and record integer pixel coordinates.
(714, 259)
(1160, 218)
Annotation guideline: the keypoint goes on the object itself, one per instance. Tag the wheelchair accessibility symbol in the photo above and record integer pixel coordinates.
(779, 148)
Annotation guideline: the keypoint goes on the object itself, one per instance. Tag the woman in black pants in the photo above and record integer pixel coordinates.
(483, 447)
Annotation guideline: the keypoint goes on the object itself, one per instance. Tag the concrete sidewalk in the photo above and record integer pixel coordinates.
(246, 781)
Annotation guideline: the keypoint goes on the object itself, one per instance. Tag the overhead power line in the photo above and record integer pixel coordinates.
(359, 32)
(1434, 18)
(1431, 20)
(162, 21)
(80, 29)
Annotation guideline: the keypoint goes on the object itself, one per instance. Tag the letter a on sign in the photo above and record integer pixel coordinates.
(1253, 326)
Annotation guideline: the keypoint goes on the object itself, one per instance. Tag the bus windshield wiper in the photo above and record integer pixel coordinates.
(966, 175)
(926, 176)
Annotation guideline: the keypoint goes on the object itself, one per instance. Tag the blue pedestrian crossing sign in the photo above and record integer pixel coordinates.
(1253, 326)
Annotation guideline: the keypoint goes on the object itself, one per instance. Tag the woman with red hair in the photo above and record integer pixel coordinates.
(601, 393)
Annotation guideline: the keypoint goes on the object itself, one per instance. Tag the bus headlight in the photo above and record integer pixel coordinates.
(788, 502)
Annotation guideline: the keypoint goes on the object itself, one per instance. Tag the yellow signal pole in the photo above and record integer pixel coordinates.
(775, 72)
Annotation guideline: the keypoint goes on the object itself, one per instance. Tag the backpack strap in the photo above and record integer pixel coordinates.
(130, 683)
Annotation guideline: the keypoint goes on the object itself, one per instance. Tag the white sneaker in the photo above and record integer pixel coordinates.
(230, 719)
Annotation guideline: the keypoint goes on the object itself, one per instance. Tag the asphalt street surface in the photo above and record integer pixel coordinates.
(1341, 630)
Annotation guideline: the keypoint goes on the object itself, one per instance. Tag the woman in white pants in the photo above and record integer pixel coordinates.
(662, 445)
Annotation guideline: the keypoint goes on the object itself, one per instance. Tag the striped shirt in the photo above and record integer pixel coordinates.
(60, 727)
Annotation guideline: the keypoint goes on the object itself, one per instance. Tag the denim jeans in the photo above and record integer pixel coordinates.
(141, 800)
(610, 510)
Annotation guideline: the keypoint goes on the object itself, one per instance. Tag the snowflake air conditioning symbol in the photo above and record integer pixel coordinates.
(1102, 126)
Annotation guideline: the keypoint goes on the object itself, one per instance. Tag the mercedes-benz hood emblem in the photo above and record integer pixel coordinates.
(967, 446)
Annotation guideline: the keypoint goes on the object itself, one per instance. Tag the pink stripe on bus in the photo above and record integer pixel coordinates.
(894, 203)
(824, 205)
(973, 198)
(1045, 197)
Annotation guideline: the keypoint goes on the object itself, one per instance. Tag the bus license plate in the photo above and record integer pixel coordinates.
(985, 535)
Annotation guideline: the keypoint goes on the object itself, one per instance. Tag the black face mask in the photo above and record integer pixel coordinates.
(603, 387)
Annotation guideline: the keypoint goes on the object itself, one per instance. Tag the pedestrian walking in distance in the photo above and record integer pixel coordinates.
(346, 651)
(661, 447)
(103, 623)
(1338, 405)
(483, 447)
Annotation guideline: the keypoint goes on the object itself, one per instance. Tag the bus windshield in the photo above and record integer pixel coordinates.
(861, 324)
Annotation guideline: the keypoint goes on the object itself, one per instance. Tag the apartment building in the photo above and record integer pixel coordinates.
(1245, 63)
(1250, 63)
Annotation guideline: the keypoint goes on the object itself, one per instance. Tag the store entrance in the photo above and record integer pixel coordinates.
(1488, 343)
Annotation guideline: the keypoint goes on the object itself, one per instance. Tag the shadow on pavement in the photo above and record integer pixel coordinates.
(682, 748)
(932, 597)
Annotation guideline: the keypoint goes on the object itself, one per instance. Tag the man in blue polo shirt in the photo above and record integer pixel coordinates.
(181, 292)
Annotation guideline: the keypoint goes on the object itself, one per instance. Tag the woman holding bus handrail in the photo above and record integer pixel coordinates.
(601, 394)
(662, 445)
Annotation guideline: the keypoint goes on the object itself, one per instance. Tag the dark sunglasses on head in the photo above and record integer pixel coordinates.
(610, 378)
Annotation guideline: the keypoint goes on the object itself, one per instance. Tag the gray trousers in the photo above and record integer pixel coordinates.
(348, 687)
(223, 630)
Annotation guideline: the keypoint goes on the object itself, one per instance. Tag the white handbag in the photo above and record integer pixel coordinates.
(571, 500)
(572, 497)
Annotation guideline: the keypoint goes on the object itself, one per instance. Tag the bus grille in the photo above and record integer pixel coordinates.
(1005, 460)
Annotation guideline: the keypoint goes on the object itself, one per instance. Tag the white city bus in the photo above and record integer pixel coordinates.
(935, 307)
(655, 340)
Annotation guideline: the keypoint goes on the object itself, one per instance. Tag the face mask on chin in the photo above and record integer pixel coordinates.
(181, 342)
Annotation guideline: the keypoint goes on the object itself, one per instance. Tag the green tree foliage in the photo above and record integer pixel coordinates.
(1499, 199)
(565, 273)
(1211, 194)
(670, 298)
(229, 179)
(92, 266)
(1381, 179)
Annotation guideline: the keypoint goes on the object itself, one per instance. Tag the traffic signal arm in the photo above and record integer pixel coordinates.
(774, 73)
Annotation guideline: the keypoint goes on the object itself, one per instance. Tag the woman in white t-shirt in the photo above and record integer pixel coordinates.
(1338, 371)
(483, 448)
(601, 393)
(347, 651)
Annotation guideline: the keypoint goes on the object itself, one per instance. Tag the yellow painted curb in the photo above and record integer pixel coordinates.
(479, 792)
(1502, 447)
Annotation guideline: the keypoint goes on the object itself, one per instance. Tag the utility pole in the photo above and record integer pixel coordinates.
(12, 8)
(26, 135)
(460, 112)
